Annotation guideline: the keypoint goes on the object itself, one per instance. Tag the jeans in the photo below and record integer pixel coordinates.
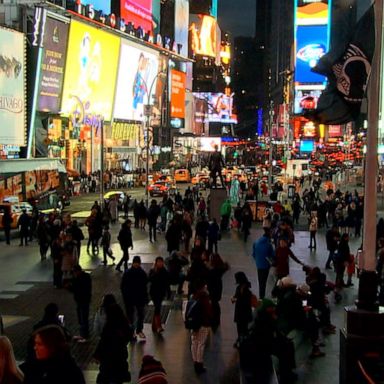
(262, 275)
(124, 259)
(312, 239)
(152, 232)
(330, 258)
(130, 308)
(82, 310)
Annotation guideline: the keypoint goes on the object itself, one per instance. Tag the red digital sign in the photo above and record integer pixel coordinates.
(138, 12)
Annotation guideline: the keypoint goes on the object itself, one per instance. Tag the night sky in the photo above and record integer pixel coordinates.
(237, 17)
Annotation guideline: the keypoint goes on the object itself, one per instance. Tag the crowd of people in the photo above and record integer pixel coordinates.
(264, 322)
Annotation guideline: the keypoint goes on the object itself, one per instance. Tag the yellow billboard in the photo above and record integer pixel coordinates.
(90, 74)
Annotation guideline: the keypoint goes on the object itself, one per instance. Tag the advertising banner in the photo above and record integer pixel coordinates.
(52, 65)
(178, 94)
(138, 12)
(311, 45)
(90, 74)
(203, 35)
(12, 92)
(181, 21)
(207, 144)
(136, 82)
(219, 107)
(312, 12)
(306, 100)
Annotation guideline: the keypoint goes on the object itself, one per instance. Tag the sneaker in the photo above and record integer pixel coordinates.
(77, 338)
(82, 340)
(141, 335)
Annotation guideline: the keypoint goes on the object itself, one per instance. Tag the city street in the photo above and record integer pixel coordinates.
(25, 288)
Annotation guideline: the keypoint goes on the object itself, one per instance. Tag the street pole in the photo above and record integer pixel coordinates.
(368, 281)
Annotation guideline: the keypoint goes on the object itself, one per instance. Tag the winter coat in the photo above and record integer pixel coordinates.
(159, 284)
(125, 238)
(134, 287)
(82, 288)
(263, 253)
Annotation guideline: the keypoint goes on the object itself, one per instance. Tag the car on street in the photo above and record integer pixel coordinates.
(160, 188)
(15, 214)
(200, 179)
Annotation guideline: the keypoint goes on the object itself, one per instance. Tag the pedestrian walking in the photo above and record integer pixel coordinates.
(264, 256)
(125, 240)
(135, 295)
(341, 259)
(82, 293)
(112, 350)
(77, 235)
(159, 289)
(213, 236)
(106, 244)
(153, 215)
(313, 225)
(24, 227)
(200, 335)
(332, 238)
(113, 210)
(42, 238)
(142, 215)
(246, 219)
(283, 254)
(152, 371)
(101, 313)
(69, 258)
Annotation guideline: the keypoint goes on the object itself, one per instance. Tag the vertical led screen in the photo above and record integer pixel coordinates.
(12, 92)
(52, 65)
(178, 94)
(312, 23)
(91, 68)
(203, 35)
(181, 20)
(138, 12)
(136, 82)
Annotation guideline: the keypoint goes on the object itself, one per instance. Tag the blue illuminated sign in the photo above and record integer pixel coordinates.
(311, 43)
(307, 146)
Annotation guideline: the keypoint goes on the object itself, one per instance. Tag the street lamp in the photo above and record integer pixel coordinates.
(148, 109)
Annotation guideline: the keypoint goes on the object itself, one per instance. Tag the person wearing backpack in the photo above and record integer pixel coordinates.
(199, 313)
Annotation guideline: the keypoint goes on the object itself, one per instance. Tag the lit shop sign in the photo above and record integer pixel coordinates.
(93, 14)
(125, 130)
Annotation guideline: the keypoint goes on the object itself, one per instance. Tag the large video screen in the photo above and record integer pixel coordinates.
(306, 100)
(311, 45)
(178, 80)
(307, 146)
(181, 20)
(138, 12)
(220, 107)
(136, 82)
(203, 35)
(312, 12)
(52, 65)
(12, 92)
(90, 74)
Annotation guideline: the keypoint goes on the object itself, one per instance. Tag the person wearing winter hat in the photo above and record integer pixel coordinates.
(152, 371)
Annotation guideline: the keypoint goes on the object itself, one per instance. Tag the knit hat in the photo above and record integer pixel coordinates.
(152, 371)
(136, 259)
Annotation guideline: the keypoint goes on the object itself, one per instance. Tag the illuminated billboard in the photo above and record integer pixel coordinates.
(12, 88)
(52, 65)
(178, 94)
(220, 107)
(136, 81)
(312, 12)
(311, 45)
(99, 5)
(181, 20)
(138, 12)
(306, 100)
(203, 35)
(90, 74)
(207, 144)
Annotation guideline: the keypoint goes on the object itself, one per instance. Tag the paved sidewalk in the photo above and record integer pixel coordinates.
(25, 288)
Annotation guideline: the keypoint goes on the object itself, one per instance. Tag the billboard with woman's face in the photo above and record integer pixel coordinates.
(136, 81)
(12, 92)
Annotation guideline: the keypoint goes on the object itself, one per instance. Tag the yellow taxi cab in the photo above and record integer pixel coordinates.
(182, 176)
(200, 178)
(15, 214)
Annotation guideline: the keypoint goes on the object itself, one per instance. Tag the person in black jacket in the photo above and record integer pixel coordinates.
(340, 260)
(112, 351)
(153, 214)
(175, 264)
(159, 290)
(332, 238)
(82, 293)
(135, 294)
(24, 227)
(173, 236)
(125, 240)
(53, 363)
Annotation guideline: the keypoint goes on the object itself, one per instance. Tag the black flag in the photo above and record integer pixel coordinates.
(347, 76)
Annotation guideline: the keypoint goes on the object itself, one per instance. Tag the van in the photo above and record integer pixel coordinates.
(182, 176)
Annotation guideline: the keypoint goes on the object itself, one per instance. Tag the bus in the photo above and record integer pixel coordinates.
(43, 182)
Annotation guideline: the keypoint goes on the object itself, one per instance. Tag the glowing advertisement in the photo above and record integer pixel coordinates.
(181, 20)
(52, 65)
(91, 68)
(178, 94)
(138, 12)
(12, 93)
(136, 84)
(311, 45)
(312, 12)
(99, 5)
(220, 107)
(207, 144)
(306, 100)
(203, 35)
